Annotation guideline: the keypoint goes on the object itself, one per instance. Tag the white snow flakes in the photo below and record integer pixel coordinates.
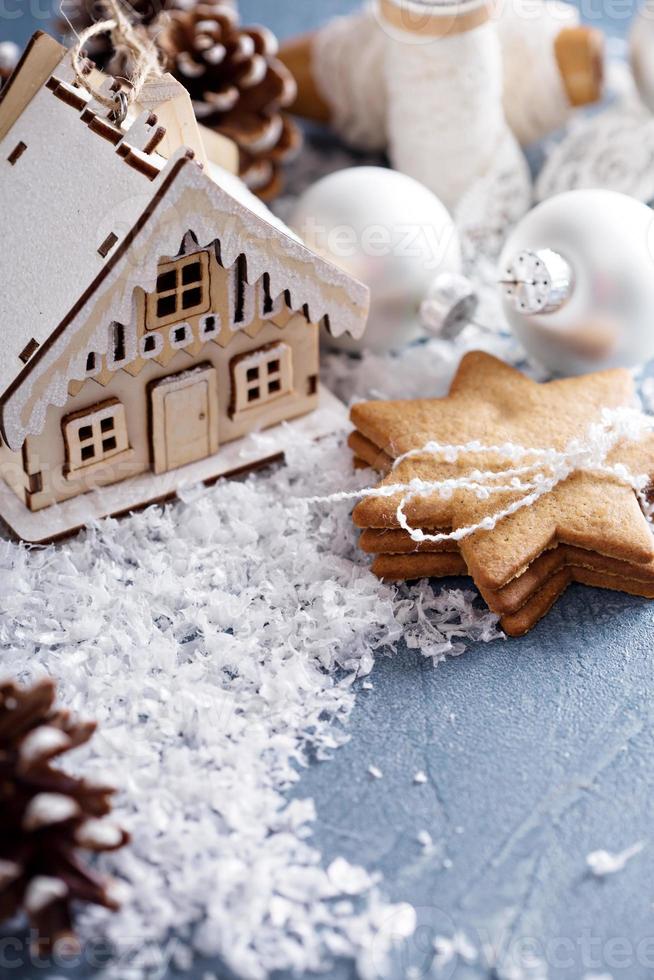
(216, 641)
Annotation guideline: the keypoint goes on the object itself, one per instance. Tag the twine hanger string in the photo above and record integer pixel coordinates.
(130, 41)
(529, 473)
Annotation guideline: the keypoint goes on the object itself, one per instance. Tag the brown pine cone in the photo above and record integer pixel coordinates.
(76, 15)
(238, 86)
(47, 817)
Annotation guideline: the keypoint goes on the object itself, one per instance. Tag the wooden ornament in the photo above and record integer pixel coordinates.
(158, 315)
(580, 57)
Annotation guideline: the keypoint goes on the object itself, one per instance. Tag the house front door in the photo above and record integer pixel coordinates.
(184, 410)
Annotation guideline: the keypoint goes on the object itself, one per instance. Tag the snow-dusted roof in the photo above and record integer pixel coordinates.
(88, 211)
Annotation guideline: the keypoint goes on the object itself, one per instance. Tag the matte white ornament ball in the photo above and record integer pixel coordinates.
(577, 279)
(642, 52)
(391, 233)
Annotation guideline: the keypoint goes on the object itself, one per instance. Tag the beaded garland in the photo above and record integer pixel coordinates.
(530, 481)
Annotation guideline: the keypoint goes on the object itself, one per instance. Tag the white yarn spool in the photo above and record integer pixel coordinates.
(445, 117)
(348, 67)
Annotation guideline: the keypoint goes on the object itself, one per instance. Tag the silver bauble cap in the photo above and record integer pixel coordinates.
(450, 305)
(537, 281)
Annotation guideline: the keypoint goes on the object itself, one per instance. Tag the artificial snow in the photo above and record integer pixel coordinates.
(218, 641)
(602, 863)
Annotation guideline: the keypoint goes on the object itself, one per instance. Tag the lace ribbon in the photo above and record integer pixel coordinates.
(530, 473)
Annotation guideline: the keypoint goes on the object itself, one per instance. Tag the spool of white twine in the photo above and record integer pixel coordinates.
(349, 56)
(446, 122)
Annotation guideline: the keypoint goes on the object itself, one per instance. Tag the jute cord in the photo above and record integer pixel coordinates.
(131, 42)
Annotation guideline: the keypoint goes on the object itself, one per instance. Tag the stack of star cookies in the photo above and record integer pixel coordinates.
(589, 529)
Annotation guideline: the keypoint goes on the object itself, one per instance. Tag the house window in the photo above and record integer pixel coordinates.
(241, 295)
(117, 342)
(268, 305)
(151, 345)
(210, 326)
(182, 290)
(96, 434)
(262, 375)
(181, 335)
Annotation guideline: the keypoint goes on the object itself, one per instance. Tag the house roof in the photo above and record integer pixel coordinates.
(88, 211)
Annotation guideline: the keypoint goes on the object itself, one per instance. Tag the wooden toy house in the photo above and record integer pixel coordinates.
(154, 313)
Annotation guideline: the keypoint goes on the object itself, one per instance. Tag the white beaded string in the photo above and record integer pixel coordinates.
(531, 481)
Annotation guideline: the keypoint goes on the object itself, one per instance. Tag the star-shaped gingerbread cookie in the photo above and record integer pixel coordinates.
(495, 404)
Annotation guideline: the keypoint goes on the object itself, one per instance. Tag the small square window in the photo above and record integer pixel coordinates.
(191, 298)
(191, 273)
(166, 306)
(261, 375)
(90, 362)
(149, 343)
(182, 284)
(179, 334)
(167, 281)
(210, 324)
(99, 435)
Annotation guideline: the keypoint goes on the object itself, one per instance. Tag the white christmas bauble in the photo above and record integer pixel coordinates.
(642, 52)
(577, 279)
(392, 234)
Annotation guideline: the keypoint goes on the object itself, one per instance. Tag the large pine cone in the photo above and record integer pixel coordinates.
(46, 816)
(238, 86)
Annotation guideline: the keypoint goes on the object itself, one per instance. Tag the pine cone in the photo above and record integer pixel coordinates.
(46, 816)
(238, 86)
(80, 14)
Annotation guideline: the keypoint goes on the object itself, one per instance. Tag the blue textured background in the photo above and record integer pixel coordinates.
(537, 751)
